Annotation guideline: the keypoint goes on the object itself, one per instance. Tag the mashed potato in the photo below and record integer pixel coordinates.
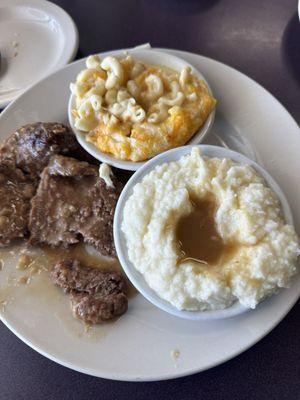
(248, 214)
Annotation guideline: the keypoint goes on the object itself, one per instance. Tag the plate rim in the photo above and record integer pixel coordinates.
(172, 374)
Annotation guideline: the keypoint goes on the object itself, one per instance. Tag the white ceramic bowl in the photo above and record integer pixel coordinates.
(135, 276)
(151, 57)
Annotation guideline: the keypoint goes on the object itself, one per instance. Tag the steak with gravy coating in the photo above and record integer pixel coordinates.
(16, 190)
(96, 296)
(31, 146)
(73, 203)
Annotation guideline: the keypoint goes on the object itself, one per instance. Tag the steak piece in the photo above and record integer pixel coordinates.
(16, 190)
(73, 203)
(96, 296)
(71, 275)
(31, 146)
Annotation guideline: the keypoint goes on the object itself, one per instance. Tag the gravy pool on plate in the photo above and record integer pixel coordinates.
(133, 110)
(205, 232)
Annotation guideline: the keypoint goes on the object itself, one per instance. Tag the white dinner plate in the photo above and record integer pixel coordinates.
(146, 343)
(36, 38)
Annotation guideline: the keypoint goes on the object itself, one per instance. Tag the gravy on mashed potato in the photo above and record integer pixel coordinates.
(205, 232)
(197, 235)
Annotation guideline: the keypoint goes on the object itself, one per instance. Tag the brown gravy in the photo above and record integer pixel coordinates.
(37, 261)
(47, 257)
(197, 235)
(24, 281)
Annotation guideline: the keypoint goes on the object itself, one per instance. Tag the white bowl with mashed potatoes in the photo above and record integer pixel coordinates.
(252, 213)
(160, 102)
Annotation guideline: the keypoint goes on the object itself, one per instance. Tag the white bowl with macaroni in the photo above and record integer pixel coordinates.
(161, 105)
(143, 275)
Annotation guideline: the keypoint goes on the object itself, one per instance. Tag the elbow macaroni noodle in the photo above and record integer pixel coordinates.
(155, 87)
(133, 110)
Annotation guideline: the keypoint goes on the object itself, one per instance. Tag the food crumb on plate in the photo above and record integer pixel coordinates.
(24, 280)
(24, 262)
(87, 327)
(175, 354)
(3, 304)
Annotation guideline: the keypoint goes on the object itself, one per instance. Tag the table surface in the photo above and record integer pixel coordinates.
(258, 37)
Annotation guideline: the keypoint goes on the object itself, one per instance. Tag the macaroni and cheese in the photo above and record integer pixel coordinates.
(134, 110)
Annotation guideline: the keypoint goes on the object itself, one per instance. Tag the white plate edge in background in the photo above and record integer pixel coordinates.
(69, 29)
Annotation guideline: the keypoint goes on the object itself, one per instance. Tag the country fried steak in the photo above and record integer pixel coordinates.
(31, 146)
(72, 204)
(16, 190)
(96, 296)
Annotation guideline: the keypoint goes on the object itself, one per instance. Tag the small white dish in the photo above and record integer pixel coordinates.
(36, 38)
(151, 57)
(135, 276)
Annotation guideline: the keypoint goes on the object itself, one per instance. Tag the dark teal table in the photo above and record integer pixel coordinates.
(260, 38)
